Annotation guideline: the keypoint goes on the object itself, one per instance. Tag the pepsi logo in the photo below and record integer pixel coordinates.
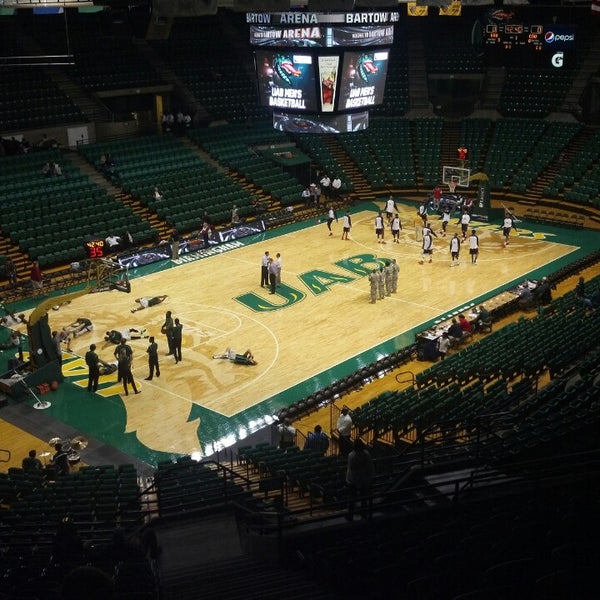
(550, 37)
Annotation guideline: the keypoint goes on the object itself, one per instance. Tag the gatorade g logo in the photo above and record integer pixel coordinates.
(551, 37)
(557, 59)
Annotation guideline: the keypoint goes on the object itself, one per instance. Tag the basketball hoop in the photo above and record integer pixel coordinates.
(452, 186)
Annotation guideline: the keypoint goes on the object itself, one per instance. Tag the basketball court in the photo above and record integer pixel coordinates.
(317, 328)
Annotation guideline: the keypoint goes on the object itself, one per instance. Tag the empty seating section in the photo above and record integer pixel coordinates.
(28, 99)
(383, 154)
(474, 135)
(396, 100)
(428, 146)
(579, 179)
(533, 93)
(555, 138)
(512, 141)
(55, 205)
(189, 185)
(96, 499)
(495, 548)
(186, 485)
(450, 53)
(53, 526)
(302, 471)
(224, 83)
(237, 148)
(105, 56)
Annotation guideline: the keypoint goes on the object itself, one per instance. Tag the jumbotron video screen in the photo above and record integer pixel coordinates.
(323, 68)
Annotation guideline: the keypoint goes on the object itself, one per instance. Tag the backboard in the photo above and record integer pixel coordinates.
(456, 176)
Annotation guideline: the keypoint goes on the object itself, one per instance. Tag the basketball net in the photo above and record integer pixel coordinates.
(452, 186)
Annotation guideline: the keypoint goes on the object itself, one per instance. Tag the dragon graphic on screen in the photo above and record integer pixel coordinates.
(285, 68)
(366, 67)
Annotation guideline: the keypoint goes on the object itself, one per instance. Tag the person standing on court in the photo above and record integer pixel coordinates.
(92, 362)
(464, 221)
(177, 337)
(167, 329)
(264, 270)
(390, 208)
(427, 248)
(395, 268)
(455, 251)
(418, 228)
(507, 227)
(381, 283)
(272, 276)
(374, 285)
(331, 216)
(388, 275)
(396, 226)
(422, 212)
(153, 365)
(445, 219)
(379, 229)
(279, 263)
(124, 356)
(347, 225)
(473, 247)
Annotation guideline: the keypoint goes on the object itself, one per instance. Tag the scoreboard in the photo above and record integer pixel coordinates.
(509, 35)
(530, 45)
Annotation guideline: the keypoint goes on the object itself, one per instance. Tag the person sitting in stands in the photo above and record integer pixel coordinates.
(465, 325)
(526, 299)
(484, 319)
(113, 242)
(114, 337)
(455, 332)
(31, 462)
(317, 440)
(147, 302)
(247, 358)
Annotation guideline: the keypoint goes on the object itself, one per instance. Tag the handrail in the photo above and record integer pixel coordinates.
(413, 377)
(478, 423)
(559, 471)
